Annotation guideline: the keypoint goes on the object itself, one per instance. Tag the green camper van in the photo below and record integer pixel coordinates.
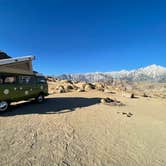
(19, 82)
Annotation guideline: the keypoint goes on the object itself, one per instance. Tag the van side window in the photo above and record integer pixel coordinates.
(26, 80)
(9, 79)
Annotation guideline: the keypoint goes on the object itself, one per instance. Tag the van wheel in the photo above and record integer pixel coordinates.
(40, 98)
(4, 106)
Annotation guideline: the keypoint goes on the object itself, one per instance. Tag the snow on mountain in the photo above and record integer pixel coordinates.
(153, 73)
(87, 77)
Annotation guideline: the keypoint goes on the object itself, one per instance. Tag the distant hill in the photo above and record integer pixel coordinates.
(3, 55)
(152, 73)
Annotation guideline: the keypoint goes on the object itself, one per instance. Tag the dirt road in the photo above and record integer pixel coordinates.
(76, 129)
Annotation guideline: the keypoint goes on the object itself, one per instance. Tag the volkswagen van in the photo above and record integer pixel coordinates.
(14, 87)
(20, 85)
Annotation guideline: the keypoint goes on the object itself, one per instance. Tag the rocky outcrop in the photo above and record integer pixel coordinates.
(120, 87)
(3, 55)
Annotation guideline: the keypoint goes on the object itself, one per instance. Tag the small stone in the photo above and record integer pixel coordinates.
(103, 101)
(124, 113)
(145, 95)
(130, 114)
(132, 96)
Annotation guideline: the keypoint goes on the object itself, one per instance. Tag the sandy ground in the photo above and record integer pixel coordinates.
(76, 129)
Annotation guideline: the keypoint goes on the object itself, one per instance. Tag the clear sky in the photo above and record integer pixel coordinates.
(75, 36)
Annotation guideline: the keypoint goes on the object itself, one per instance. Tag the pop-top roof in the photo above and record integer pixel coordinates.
(15, 60)
(19, 65)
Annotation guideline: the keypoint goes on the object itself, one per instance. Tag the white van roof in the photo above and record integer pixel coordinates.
(15, 60)
(19, 65)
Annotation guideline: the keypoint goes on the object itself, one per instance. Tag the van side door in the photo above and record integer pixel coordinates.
(27, 86)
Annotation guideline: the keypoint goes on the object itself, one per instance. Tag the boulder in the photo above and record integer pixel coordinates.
(145, 95)
(80, 90)
(61, 89)
(68, 87)
(99, 86)
(81, 85)
(111, 102)
(89, 87)
(128, 95)
(107, 100)
(107, 90)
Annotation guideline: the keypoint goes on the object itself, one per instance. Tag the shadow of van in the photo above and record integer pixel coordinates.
(51, 106)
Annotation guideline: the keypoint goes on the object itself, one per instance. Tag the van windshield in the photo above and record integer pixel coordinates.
(41, 80)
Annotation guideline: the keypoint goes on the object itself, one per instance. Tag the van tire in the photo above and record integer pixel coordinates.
(4, 106)
(39, 98)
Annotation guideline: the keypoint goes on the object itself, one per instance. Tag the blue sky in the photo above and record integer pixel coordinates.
(76, 36)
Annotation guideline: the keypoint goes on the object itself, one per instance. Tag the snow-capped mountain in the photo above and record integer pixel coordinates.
(152, 73)
(87, 77)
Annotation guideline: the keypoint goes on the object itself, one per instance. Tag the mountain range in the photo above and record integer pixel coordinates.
(152, 73)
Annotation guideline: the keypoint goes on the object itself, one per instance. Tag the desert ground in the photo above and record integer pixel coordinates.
(75, 129)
